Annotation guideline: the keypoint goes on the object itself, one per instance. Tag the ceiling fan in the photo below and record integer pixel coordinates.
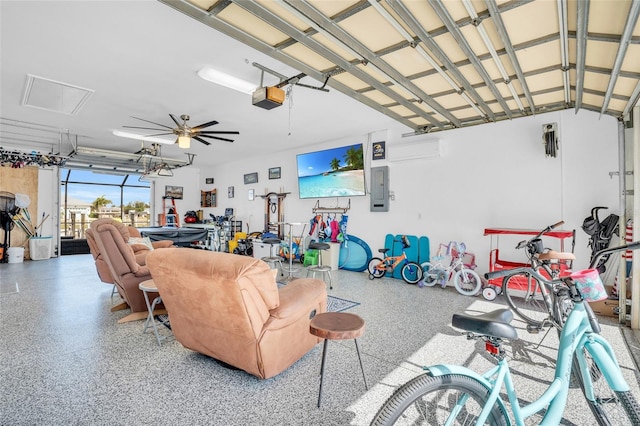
(185, 132)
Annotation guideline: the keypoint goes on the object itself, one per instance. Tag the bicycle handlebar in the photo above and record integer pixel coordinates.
(524, 243)
(596, 257)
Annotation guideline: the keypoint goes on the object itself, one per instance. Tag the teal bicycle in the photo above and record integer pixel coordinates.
(456, 395)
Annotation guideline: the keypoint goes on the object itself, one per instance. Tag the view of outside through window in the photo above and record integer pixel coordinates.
(86, 196)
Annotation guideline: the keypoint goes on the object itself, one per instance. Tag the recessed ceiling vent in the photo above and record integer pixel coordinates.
(51, 95)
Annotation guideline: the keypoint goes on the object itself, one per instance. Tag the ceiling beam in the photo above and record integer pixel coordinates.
(227, 29)
(581, 48)
(448, 21)
(632, 20)
(448, 66)
(564, 48)
(323, 51)
(353, 44)
(482, 32)
(506, 41)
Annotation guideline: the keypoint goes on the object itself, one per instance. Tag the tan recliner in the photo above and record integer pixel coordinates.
(101, 266)
(229, 307)
(111, 239)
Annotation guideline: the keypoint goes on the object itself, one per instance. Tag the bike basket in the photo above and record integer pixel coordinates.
(590, 285)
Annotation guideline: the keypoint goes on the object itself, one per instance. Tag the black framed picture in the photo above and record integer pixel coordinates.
(251, 178)
(274, 173)
(230, 192)
(208, 181)
(174, 192)
(379, 150)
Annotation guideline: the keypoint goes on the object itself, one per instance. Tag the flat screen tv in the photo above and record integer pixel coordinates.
(335, 172)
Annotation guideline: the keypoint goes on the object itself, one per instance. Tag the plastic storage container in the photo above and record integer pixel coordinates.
(40, 248)
(16, 254)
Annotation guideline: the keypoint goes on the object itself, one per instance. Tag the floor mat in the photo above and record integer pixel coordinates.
(336, 304)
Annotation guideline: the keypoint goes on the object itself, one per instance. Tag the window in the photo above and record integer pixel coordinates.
(86, 196)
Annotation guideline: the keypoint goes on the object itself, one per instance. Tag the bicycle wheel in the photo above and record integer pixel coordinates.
(610, 408)
(411, 272)
(429, 274)
(467, 282)
(374, 271)
(525, 298)
(427, 400)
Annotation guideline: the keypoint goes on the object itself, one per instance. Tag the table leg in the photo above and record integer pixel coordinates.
(324, 357)
(149, 310)
(361, 368)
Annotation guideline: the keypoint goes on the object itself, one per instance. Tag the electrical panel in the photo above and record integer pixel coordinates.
(380, 189)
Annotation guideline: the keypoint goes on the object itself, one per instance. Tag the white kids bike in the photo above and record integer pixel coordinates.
(449, 263)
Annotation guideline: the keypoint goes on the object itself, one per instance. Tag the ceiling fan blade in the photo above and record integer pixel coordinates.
(159, 134)
(215, 137)
(210, 132)
(203, 125)
(175, 120)
(145, 128)
(201, 140)
(157, 124)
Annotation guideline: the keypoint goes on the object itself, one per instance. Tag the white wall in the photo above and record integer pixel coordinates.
(189, 179)
(494, 175)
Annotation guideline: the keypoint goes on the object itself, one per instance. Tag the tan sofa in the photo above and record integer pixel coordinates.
(229, 307)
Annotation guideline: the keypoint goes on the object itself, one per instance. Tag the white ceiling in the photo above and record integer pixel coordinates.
(141, 59)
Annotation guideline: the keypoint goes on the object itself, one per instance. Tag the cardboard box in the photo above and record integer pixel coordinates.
(606, 307)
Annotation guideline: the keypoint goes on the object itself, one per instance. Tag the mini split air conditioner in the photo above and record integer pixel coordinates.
(415, 150)
(268, 97)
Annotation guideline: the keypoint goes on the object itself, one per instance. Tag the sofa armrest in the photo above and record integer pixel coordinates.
(297, 296)
(162, 244)
(142, 271)
(139, 247)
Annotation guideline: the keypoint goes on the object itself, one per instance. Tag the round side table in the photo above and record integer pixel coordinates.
(337, 326)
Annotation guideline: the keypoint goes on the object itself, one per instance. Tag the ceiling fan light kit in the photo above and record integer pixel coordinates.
(184, 141)
(183, 131)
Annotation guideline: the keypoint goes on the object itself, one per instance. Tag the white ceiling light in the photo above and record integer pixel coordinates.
(184, 140)
(142, 137)
(226, 80)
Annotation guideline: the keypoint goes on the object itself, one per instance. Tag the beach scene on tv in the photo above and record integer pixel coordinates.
(336, 172)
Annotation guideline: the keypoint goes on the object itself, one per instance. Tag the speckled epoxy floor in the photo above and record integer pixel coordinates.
(64, 360)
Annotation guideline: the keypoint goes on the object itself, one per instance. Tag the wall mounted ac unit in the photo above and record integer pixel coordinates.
(415, 150)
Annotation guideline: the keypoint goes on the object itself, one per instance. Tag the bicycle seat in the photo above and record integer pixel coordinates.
(494, 323)
(555, 255)
(383, 251)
